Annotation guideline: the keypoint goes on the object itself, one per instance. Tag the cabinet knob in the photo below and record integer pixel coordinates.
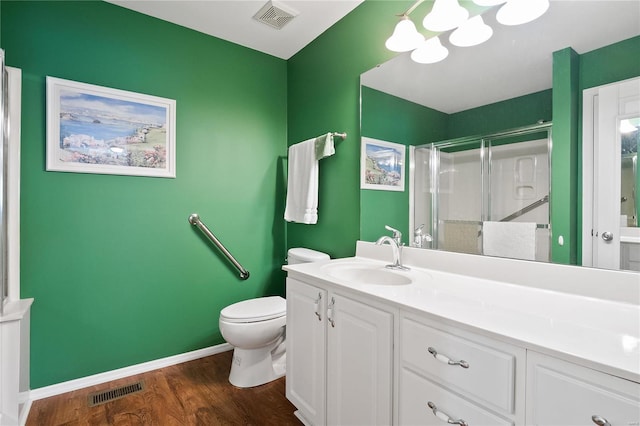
(444, 416)
(600, 421)
(445, 359)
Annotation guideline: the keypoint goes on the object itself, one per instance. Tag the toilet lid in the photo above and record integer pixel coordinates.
(252, 310)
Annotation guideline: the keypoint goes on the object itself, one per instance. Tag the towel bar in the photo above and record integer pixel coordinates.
(194, 219)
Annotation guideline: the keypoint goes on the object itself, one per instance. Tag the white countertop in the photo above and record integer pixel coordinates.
(598, 333)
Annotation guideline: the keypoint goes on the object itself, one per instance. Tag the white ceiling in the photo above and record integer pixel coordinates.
(516, 61)
(232, 20)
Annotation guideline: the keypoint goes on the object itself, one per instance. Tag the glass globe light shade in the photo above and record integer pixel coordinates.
(516, 12)
(430, 52)
(445, 15)
(627, 127)
(471, 33)
(405, 36)
(488, 2)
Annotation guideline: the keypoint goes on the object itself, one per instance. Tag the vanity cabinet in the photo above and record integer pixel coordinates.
(457, 350)
(447, 374)
(339, 357)
(562, 393)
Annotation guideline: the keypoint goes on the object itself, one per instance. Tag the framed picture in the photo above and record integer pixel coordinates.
(94, 129)
(382, 165)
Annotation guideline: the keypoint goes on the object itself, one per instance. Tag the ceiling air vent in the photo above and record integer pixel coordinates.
(275, 15)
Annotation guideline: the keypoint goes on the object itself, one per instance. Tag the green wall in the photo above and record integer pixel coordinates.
(118, 275)
(324, 95)
(563, 199)
(393, 119)
(500, 116)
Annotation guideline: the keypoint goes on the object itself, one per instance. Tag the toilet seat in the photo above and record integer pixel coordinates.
(255, 310)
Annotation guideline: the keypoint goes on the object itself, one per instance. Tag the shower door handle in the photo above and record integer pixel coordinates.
(607, 236)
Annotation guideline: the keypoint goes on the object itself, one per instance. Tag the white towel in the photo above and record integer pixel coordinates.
(302, 180)
(509, 239)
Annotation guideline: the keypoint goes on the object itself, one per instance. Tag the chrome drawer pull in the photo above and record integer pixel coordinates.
(444, 416)
(330, 312)
(447, 360)
(317, 306)
(600, 421)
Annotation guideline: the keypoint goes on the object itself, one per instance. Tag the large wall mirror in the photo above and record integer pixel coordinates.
(477, 96)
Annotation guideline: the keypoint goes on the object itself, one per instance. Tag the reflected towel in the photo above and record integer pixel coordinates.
(516, 240)
(302, 179)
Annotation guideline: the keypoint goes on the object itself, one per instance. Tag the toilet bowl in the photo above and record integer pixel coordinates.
(256, 330)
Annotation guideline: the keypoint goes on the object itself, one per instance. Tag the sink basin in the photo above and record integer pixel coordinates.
(367, 274)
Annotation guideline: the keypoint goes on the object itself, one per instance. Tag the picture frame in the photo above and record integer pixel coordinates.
(382, 165)
(96, 129)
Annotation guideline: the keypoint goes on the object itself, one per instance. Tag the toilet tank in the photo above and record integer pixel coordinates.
(305, 255)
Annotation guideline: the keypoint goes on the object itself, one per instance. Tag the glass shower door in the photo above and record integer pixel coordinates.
(518, 193)
(463, 187)
(448, 194)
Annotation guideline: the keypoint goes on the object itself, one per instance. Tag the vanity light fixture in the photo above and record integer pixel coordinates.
(405, 36)
(627, 127)
(473, 32)
(430, 51)
(516, 12)
(445, 15)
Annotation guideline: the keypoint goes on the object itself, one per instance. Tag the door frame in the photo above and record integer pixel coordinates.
(590, 128)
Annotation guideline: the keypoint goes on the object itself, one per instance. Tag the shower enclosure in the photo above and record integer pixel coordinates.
(485, 194)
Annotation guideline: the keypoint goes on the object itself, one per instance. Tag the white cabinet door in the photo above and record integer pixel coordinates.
(339, 358)
(561, 393)
(306, 350)
(360, 363)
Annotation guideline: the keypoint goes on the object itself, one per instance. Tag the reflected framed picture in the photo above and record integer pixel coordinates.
(382, 165)
(95, 129)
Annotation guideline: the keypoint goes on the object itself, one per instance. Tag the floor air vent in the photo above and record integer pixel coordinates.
(113, 394)
(276, 15)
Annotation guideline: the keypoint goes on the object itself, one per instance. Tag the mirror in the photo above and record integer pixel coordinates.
(502, 84)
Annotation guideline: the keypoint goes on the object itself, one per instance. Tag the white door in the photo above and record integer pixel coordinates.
(359, 363)
(608, 223)
(306, 350)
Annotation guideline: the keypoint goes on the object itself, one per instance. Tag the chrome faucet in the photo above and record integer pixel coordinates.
(420, 238)
(396, 246)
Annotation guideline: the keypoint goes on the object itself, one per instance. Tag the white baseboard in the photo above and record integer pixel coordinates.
(96, 379)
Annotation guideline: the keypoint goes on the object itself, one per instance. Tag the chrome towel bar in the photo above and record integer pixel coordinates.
(194, 219)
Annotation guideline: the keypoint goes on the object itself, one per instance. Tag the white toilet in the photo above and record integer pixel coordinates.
(256, 330)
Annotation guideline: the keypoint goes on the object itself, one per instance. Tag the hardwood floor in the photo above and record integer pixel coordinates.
(192, 393)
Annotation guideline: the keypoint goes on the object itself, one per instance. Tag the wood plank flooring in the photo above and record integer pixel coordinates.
(192, 393)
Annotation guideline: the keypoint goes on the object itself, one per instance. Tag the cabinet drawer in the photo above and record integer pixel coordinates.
(417, 392)
(490, 373)
(559, 392)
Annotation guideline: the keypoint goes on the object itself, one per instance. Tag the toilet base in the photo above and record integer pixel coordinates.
(255, 367)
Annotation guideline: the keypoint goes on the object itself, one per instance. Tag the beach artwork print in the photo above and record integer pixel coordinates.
(382, 165)
(94, 129)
